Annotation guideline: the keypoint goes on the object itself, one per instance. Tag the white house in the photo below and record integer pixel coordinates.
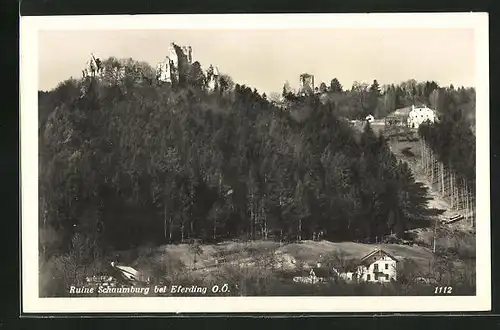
(419, 115)
(377, 266)
(370, 118)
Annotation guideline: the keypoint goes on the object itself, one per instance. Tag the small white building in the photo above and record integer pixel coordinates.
(419, 115)
(377, 266)
(315, 275)
(370, 118)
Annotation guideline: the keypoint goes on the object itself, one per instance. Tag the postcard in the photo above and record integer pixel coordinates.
(255, 163)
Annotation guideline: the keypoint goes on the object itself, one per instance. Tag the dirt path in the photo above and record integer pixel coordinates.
(435, 199)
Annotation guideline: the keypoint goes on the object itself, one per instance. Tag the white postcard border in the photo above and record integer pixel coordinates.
(29, 28)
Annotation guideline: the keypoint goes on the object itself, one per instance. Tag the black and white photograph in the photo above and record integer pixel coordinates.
(255, 163)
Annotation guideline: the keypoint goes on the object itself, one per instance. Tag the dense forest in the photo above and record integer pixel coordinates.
(128, 162)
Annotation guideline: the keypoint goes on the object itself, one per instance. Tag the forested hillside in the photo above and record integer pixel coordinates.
(132, 163)
(363, 99)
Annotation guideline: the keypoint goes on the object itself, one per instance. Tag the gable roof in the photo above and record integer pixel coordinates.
(377, 252)
(400, 113)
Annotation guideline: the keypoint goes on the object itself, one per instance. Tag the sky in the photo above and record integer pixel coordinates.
(265, 59)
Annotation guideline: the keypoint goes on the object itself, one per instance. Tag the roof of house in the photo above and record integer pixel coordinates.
(400, 113)
(322, 272)
(377, 252)
(126, 269)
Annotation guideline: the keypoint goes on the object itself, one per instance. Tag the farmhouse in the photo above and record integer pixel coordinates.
(377, 266)
(411, 117)
(419, 115)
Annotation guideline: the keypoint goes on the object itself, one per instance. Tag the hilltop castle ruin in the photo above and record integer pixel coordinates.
(93, 67)
(174, 69)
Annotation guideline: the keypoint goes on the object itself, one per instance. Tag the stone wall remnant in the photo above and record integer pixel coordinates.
(306, 83)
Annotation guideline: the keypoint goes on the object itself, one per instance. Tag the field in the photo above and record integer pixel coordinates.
(240, 253)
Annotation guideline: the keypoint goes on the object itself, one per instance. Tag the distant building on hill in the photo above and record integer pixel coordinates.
(419, 115)
(398, 117)
(411, 117)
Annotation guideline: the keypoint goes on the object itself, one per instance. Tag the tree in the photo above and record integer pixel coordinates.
(375, 88)
(335, 86)
(226, 83)
(195, 76)
(374, 94)
(322, 87)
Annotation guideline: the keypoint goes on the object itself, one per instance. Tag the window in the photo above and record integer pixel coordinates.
(387, 277)
(367, 277)
(386, 266)
(375, 267)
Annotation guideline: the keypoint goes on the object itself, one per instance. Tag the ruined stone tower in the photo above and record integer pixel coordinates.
(212, 75)
(174, 69)
(306, 83)
(164, 70)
